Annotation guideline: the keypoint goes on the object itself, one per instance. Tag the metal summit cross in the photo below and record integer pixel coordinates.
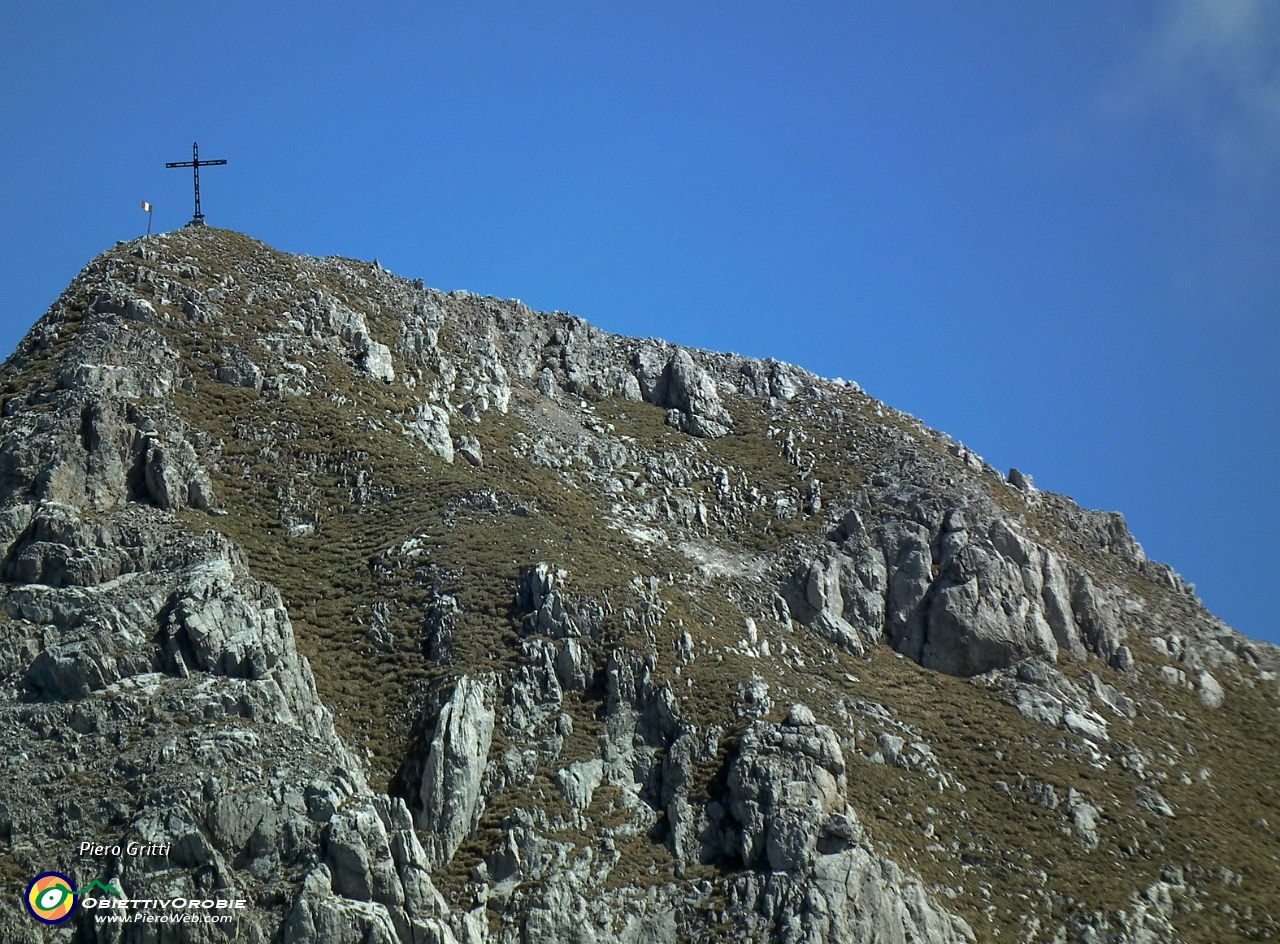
(195, 164)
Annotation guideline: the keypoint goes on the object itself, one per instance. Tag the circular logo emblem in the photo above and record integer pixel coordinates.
(51, 897)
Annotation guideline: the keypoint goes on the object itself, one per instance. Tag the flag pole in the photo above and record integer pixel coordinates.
(147, 206)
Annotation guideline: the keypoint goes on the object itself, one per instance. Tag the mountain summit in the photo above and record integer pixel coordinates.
(340, 610)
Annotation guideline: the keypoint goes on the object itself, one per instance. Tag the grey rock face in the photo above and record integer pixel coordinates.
(321, 917)
(535, 693)
(574, 667)
(959, 589)
(536, 585)
(151, 688)
(438, 626)
(691, 394)
(1211, 692)
(100, 454)
(842, 598)
(981, 616)
(1152, 801)
(579, 780)
(1021, 481)
(1043, 694)
(1043, 794)
(375, 880)
(540, 593)
(1084, 816)
(174, 478)
(328, 316)
(218, 628)
(822, 594)
(450, 791)
(469, 448)
(864, 897)
(122, 615)
(113, 358)
(890, 748)
(375, 360)
(787, 799)
(786, 783)
(241, 373)
(1097, 617)
(380, 634)
(431, 427)
(677, 774)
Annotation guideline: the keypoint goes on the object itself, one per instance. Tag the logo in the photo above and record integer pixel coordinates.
(51, 897)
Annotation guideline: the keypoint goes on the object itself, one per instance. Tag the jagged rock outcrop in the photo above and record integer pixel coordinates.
(326, 317)
(574, 667)
(817, 597)
(374, 885)
(540, 593)
(215, 457)
(786, 792)
(956, 587)
(689, 392)
(451, 779)
(431, 427)
(101, 454)
(787, 811)
(438, 627)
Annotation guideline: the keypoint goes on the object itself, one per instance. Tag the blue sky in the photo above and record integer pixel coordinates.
(1049, 229)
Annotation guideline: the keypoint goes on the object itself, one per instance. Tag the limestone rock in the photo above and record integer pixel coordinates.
(534, 694)
(842, 597)
(1084, 816)
(1152, 801)
(981, 615)
(318, 916)
(574, 667)
(890, 747)
(692, 396)
(822, 593)
(450, 790)
(786, 793)
(242, 372)
(151, 687)
(1042, 693)
(540, 593)
(430, 426)
(678, 766)
(218, 627)
(375, 360)
(868, 898)
(1211, 692)
(1021, 481)
(578, 782)
(963, 595)
(438, 627)
(380, 633)
(175, 479)
(328, 315)
(786, 783)
(469, 448)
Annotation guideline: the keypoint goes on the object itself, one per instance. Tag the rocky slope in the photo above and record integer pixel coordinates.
(404, 616)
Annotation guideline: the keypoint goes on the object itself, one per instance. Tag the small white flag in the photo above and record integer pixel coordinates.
(146, 206)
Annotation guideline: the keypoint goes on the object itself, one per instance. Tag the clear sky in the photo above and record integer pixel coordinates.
(1050, 229)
